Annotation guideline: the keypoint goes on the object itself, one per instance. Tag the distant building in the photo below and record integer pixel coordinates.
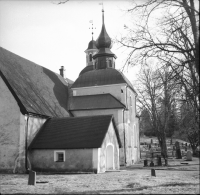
(49, 123)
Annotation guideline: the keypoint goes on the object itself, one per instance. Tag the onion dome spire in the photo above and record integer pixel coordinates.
(103, 41)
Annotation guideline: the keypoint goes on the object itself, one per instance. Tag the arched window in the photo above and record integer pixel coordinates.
(90, 57)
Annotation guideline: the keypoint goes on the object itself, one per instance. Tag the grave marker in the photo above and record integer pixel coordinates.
(178, 150)
(32, 178)
(153, 172)
(145, 163)
(151, 164)
(159, 161)
(189, 156)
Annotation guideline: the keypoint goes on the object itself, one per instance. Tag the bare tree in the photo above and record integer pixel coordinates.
(174, 38)
(170, 37)
(157, 95)
(60, 2)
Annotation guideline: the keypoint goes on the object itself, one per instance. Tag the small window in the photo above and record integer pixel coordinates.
(90, 57)
(59, 156)
(74, 92)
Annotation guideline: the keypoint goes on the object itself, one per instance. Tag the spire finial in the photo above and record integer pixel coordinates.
(102, 12)
(91, 21)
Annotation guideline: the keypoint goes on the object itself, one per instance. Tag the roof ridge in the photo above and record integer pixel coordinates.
(91, 95)
(94, 116)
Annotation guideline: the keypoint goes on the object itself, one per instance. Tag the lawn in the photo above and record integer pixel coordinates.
(176, 179)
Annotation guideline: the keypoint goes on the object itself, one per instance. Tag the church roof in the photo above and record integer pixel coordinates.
(101, 77)
(92, 45)
(73, 133)
(86, 69)
(36, 89)
(100, 101)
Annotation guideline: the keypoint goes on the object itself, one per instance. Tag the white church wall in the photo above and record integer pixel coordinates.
(131, 132)
(34, 125)
(12, 133)
(138, 137)
(115, 90)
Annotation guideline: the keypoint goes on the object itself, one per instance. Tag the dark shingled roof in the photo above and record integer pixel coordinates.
(73, 133)
(89, 102)
(99, 77)
(35, 88)
(87, 69)
(92, 45)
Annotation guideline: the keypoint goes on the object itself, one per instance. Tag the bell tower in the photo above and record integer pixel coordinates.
(91, 51)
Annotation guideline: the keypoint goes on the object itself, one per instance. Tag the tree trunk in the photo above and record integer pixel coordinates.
(162, 141)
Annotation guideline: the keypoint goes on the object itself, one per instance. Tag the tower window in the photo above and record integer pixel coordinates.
(110, 63)
(90, 57)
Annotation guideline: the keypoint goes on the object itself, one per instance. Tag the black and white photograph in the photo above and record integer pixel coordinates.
(99, 97)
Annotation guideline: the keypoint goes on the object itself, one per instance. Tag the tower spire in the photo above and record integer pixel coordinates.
(91, 50)
(104, 57)
(102, 14)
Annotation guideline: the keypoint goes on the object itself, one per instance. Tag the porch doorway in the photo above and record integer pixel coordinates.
(109, 157)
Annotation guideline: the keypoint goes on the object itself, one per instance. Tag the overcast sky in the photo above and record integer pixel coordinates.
(54, 35)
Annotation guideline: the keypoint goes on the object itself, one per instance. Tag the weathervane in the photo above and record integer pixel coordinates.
(92, 28)
(102, 6)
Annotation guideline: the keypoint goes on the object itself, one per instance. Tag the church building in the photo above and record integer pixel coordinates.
(49, 123)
